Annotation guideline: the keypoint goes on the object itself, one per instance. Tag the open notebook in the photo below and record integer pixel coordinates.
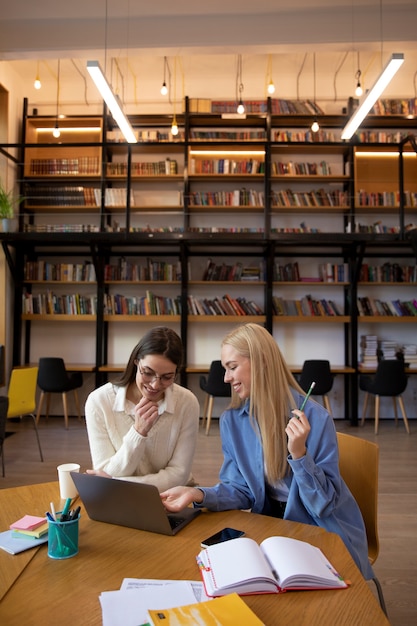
(128, 503)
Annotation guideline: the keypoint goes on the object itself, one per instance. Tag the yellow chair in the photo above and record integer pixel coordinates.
(358, 464)
(22, 396)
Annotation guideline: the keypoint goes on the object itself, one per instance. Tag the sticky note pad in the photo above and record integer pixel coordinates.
(28, 522)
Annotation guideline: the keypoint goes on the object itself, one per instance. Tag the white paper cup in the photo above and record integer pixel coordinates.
(66, 484)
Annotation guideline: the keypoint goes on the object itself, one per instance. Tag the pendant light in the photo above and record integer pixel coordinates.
(315, 125)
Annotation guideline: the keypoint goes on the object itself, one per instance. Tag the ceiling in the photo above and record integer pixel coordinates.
(201, 42)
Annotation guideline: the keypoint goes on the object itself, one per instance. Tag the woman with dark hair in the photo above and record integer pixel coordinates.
(143, 427)
(279, 460)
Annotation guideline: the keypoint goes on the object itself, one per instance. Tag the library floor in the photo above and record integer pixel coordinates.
(396, 566)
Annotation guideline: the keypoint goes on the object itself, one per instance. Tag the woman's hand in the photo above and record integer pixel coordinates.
(177, 498)
(146, 414)
(98, 473)
(297, 431)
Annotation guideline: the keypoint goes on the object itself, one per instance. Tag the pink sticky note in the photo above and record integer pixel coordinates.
(28, 522)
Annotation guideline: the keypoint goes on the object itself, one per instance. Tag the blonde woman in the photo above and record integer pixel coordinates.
(278, 460)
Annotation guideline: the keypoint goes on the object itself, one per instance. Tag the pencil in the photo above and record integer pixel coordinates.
(313, 384)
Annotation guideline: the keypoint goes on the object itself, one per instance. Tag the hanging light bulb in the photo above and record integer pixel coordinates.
(240, 107)
(174, 126)
(164, 88)
(270, 83)
(315, 125)
(37, 84)
(358, 90)
(56, 132)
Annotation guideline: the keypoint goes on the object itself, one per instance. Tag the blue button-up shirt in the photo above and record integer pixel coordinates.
(317, 494)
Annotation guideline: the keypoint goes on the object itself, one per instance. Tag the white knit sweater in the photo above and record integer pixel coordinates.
(164, 457)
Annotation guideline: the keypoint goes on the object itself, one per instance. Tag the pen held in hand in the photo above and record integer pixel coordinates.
(313, 384)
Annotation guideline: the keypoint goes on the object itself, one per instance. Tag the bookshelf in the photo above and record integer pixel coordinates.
(166, 207)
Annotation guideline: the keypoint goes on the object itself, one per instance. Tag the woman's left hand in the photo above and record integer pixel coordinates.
(98, 473)
(297, 431)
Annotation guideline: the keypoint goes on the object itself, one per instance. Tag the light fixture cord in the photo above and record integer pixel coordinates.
(84, 79)
(57, 89)
(299, 74)
(239, 83)
(337, 72)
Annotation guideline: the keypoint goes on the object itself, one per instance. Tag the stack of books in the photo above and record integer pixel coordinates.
(410, 355)
(369, 351)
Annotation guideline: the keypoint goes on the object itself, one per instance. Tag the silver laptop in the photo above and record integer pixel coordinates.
(127, 503)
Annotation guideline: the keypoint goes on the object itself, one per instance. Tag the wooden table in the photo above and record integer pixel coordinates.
(38, 590)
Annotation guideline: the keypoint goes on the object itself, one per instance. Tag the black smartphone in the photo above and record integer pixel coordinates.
(223, 535)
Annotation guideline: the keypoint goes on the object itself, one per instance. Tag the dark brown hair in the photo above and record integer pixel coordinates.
(160, 340)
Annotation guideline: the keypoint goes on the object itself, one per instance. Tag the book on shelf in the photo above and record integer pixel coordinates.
(226, 611)
(278, 564)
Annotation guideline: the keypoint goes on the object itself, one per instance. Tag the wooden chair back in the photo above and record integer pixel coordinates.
(358, 463)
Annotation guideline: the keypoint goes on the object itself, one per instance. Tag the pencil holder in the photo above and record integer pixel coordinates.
(62, 538)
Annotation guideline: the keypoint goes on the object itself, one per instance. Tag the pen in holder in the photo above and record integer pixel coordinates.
(62, 537)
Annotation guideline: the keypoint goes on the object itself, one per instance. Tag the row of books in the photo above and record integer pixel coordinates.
(153, 270)
(226, 166)
(385, 198)
(376, 307)
(227, 135)
(314, 198)
(60, 196)
(53, 304)
(380, 136)
(306, 306)
(327, 273)
(143, 168)
(388, 273)
(149, 304)
(145, 136)
(226, 305)
(65, 272)
(237, 197)
(303, 228)
(78, 166)
(390, 106)
(376, 227)
(306, 136)
(61, 228)
(301, 169)
(220, 229)
(235, 272)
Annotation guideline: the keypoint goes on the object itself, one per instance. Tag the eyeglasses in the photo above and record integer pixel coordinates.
(149, 376)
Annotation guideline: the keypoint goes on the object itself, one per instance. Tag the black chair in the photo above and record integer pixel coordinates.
(215, 387)
(318, 371)
(4, 405)
(54, 378)
(390, 380)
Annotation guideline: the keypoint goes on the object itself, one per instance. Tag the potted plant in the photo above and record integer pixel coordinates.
(8, 201)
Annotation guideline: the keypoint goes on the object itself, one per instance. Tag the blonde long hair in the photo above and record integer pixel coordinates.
(271, 399)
